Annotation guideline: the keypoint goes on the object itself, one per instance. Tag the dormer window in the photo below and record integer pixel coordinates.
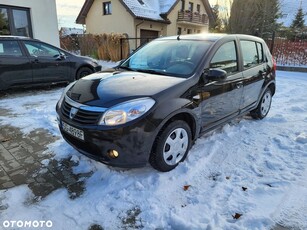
(141, 2)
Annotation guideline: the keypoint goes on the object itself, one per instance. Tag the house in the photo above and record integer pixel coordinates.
(145, 18)
(35, 19)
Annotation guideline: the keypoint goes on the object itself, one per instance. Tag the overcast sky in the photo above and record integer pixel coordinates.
(68, 11)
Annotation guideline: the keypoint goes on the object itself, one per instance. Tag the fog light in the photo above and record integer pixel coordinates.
(113, 153)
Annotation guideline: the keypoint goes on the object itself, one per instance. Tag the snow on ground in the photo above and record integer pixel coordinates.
(256, 169)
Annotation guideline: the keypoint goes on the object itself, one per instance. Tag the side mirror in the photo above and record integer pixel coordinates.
(216, 75)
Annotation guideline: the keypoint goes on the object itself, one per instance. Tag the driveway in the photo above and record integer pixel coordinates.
(245, 175)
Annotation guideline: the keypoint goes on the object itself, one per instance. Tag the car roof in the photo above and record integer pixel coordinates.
(209, 37)
(11, 37)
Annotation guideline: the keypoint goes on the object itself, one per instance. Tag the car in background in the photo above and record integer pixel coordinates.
(155, 104)
(25, 61)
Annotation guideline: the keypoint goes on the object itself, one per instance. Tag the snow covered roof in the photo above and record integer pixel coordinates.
(151, 9)
(69, 31)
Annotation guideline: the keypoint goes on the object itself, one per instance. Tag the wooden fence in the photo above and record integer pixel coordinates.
(116, 47)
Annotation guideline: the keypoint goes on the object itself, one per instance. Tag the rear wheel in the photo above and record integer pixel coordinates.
(264, 105)
(172, 146)
(83, 71)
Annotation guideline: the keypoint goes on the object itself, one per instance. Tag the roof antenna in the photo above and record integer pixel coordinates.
(178, 38)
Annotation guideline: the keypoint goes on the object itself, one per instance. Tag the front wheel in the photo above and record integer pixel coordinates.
(264, 105)
(83, 71)
(172, 146)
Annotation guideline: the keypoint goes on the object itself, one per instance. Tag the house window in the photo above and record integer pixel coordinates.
(191, 6)
(15, 21)
(179, 30)
(198, 8)
(182, 5)
(107, 8)
(189, 31)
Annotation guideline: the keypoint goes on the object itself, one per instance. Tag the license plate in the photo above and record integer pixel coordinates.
(73, 131)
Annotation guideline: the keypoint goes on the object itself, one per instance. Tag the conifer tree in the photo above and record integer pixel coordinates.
(299, 21)
(217, 25)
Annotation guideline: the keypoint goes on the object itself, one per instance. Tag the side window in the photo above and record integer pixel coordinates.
(225, 58)
(10, 48)
(41, 50)
(250, 54)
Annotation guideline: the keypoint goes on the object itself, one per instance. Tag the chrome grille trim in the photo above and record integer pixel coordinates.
(86, 115)
(84, 107)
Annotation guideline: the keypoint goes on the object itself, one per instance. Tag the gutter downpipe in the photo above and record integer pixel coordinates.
(136, 32)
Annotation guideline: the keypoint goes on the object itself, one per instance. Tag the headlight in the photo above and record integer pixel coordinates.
(64, 93)
(127, 111)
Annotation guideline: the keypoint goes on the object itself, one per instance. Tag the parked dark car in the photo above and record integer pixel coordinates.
(154, 105)
(25, 61)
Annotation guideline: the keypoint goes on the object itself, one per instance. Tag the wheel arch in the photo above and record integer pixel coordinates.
(272, 87)
(184, 115)
(82, 66)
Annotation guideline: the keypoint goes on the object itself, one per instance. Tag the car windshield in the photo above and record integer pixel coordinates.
(177, 58)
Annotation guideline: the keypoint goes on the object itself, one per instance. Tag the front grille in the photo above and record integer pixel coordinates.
(82, 116)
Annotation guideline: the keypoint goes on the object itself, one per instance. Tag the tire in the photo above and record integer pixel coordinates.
(171, 146)
(83, 71)
(264, 105)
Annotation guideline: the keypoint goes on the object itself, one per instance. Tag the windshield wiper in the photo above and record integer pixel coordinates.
(151, 71)
(126, 68)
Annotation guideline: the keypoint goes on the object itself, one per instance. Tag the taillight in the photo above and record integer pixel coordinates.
(274, 64)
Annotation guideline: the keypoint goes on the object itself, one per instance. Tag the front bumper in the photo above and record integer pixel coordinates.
(133, 142)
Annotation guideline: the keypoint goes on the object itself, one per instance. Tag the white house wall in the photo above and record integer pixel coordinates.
(43, 18)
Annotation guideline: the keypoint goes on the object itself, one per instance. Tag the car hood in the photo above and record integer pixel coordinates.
(106, 89)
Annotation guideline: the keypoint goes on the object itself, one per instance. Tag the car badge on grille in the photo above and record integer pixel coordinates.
(73, 112)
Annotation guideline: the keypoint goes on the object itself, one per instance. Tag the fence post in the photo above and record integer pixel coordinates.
(121, 49)
(273, 41)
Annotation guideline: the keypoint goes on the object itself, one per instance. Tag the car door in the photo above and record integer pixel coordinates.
(253, 71)
(15, 67)
(48, 63)
(221, 99)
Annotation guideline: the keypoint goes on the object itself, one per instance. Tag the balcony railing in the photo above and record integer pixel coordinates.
(192, 17)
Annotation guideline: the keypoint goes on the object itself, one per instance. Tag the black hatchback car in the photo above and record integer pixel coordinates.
(25, 61)
(153, 106)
